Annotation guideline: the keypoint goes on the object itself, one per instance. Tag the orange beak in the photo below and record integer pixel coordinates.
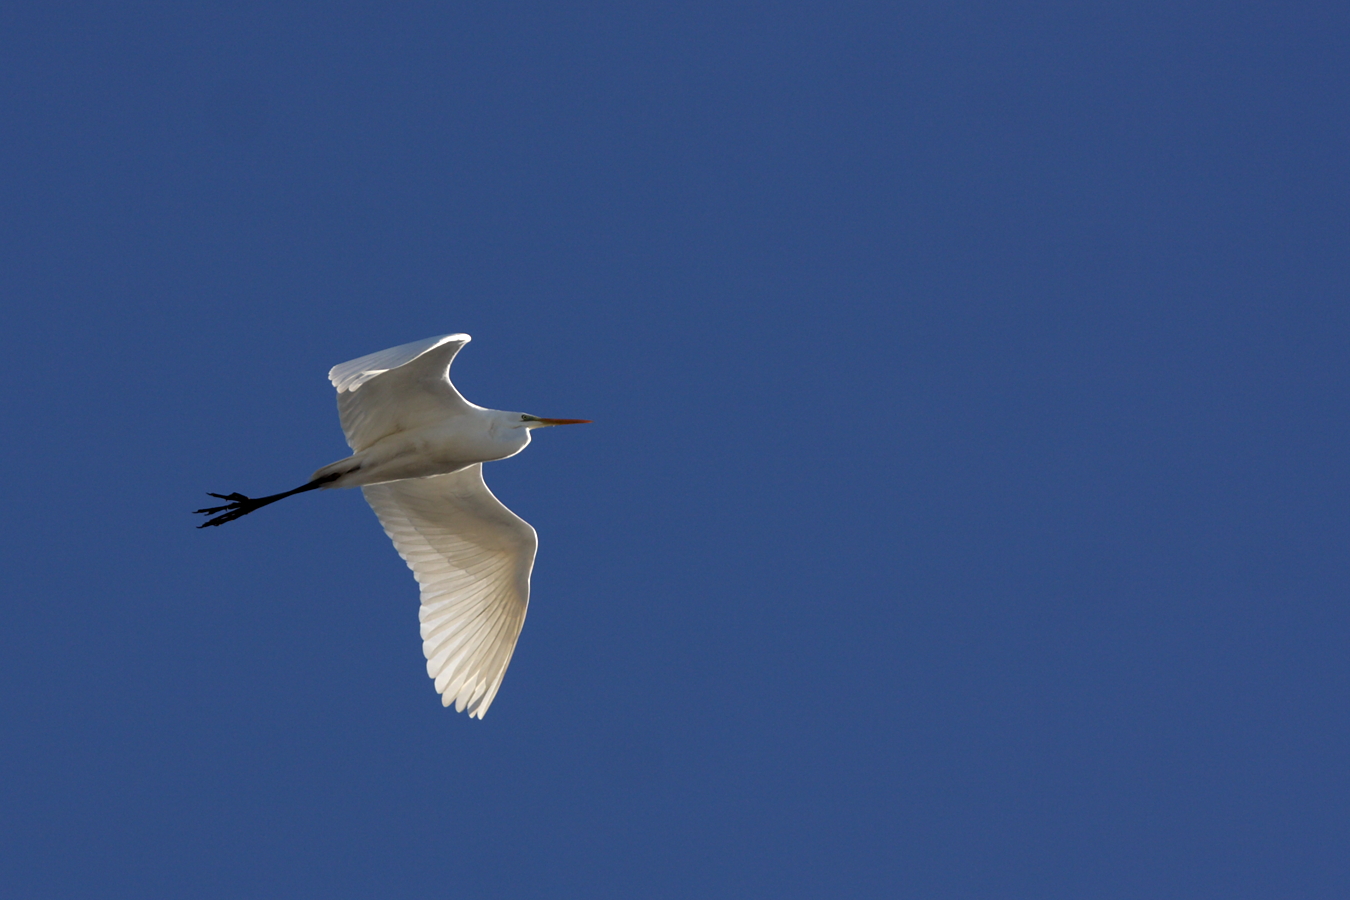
(566, 421)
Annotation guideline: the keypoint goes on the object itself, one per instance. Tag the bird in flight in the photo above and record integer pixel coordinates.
(418, 453)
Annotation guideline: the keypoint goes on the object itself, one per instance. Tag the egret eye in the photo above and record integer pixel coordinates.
(524, 418)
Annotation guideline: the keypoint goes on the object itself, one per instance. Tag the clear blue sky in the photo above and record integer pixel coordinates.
(965, 516)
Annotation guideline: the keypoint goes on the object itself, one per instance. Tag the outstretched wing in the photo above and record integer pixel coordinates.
(472, 556)
(397, 389)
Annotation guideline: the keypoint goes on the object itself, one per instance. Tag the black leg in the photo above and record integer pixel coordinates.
(240, 506)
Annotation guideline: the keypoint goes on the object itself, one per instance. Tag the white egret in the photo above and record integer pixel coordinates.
(419, 449)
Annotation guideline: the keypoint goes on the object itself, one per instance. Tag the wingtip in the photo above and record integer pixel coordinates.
(348, 376)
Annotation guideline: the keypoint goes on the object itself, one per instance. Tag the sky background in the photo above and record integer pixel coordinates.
(965, 514)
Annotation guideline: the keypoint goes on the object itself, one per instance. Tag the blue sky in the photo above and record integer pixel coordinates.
(964, 516)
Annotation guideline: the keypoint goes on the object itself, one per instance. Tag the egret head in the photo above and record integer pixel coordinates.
(526, 421)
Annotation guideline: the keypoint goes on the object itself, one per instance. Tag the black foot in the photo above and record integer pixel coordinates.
(238, 506)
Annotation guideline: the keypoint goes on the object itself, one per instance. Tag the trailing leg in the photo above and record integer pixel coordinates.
(240, 505)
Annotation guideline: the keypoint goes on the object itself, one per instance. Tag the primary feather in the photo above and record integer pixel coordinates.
(472, 557)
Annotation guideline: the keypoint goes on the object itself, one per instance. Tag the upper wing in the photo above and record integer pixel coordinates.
(472, 556)
(396, 389)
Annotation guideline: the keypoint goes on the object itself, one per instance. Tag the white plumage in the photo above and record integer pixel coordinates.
(418, 449)
(472, 557)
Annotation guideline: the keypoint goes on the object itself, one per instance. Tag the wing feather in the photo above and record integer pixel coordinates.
(472, 558)
(398, 389)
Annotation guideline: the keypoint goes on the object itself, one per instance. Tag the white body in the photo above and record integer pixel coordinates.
(436, 449)
(418, 448)
(406, 420)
